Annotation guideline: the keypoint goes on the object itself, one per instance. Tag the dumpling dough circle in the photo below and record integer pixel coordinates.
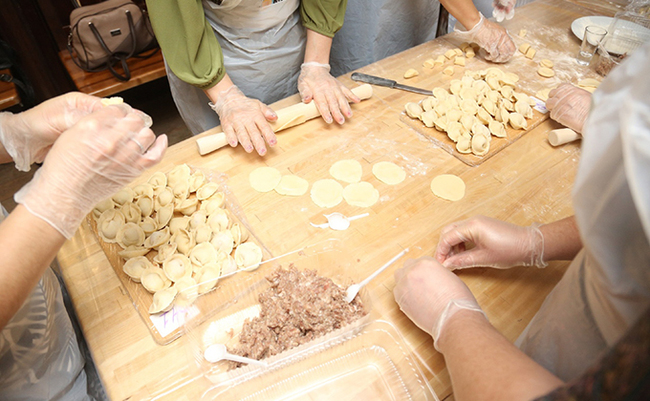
(348, 170)
(327, 192)
(292, 185)
(264, 179)
(448, 186)
(361, 194)
(388, 173)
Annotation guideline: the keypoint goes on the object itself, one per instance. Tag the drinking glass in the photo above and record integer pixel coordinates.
(593, 35)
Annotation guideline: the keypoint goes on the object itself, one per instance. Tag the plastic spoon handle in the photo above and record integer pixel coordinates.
(358, 216)
(242, 359)
(381, 269)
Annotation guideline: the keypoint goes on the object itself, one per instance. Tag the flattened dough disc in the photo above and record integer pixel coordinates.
(361, 194)
(388, 173)
(292, 185)
(264, 179)
(448, 186)
(347, 170)
(327, 192)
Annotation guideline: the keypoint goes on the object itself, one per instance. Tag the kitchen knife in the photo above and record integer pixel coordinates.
(357, 76)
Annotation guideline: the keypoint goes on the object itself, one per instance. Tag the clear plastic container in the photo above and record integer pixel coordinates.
(367, 359)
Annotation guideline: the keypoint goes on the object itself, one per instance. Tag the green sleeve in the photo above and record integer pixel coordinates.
(187, 41)
(323, 16)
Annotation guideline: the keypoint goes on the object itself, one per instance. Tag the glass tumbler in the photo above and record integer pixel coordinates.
(593, 35)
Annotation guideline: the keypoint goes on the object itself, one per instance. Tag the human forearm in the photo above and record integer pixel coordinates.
(484, 365)
(317, 48)
(29, 245)
(463, 10)
(561, 239)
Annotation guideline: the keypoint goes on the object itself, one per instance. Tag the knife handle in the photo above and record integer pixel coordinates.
(371, 79)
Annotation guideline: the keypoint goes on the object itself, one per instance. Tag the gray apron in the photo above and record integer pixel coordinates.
(263, 47)
(607, 286)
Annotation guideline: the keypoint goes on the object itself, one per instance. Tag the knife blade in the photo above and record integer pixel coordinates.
(389, 83)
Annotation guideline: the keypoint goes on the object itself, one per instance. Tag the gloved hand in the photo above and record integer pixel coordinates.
(503, 9)
(245, 120)
(495, 244)
(88, 163)
(28, 136)
(430, 295)
(492, 37)
(330, 95)
(569, 105)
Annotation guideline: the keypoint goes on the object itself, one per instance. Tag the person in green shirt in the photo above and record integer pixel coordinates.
(227, 59)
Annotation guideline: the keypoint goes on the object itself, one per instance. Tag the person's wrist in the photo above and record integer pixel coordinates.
(459, 321)
(536, 238)
(448, 313)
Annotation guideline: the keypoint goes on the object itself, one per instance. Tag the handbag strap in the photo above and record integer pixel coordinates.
(122, 58)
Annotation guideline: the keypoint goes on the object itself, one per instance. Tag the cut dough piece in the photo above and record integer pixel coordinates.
(428, 63)
(470, 53)
(448, 71)
(460, 60)
(361, 194)
(545, 72)
(530, 53)
(451, 53)
(264, 179)
(448, 186)
(546, 63)
(107, 101)
(410, 73)
(292, 185)
(523, 48)
(348, 170)
(589, 82)
(327, 193)
(522, 33)
(440, 60)
(388, 173)
(459, 52)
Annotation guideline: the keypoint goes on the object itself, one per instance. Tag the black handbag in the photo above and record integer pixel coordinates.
(9, 61)
(107, 33)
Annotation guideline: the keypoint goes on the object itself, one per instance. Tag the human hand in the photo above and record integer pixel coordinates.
(245, 120)
(492, 37)
(29, 135)
(503, 9)
(330, 95)
(495, 244)
(429, 294)
(569, 105)
(89, 162)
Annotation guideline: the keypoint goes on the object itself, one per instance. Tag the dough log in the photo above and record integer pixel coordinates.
(287, 118)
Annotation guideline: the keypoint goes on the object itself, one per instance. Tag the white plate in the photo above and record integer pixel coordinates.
(633, 35)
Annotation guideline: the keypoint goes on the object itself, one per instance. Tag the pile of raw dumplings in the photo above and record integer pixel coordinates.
(176, 235)
(481, 104)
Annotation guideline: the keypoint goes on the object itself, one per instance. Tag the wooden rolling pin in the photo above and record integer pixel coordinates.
(561, 136)
(287, 118)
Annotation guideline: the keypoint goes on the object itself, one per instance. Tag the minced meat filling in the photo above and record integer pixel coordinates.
(298, 307)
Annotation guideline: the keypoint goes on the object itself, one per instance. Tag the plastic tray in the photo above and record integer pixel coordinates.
(367, 359)
(168, 326)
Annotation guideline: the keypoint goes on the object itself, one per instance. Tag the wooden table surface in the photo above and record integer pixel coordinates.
(527, 181)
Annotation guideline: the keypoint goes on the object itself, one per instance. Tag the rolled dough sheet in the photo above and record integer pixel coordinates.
(347, 170)
(361, 194)
(264, 179)
(292, 185)
(448, 186)
(388, 173)
(327, 193)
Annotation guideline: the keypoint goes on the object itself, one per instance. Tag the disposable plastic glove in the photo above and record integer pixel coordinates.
(430, 295)
(330, 95)
(503, 9)
(28, 136)
(569, 105)
(88, 163)
(492, 37)
(483, 241)
(245, 120)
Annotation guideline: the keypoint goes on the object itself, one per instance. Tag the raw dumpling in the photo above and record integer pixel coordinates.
(177, 267)
(248, 256)
(134, 267)
(163, 300)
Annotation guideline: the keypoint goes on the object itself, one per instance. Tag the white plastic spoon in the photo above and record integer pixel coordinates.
(353, 290)
(337, 221)
(217, 352)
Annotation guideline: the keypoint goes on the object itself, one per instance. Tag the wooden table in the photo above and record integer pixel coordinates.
(526, 182)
